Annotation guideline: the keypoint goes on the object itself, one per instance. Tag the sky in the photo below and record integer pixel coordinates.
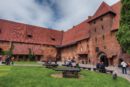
(53, 14)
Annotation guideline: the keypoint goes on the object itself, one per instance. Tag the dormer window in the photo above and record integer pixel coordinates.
(29, 33)
(29, 36)
(53, 39)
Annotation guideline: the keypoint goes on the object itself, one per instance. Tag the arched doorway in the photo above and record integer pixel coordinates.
(1, 51)
(103, 58)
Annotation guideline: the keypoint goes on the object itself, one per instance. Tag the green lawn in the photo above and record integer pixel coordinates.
(21, 76)
(25, 62)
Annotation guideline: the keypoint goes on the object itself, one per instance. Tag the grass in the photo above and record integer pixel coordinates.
(25, 62)
(21, 76)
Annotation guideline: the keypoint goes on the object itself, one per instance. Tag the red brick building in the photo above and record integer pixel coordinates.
(90, 41)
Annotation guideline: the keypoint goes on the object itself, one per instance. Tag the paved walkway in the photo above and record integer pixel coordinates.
(119, 72)
(115, 69)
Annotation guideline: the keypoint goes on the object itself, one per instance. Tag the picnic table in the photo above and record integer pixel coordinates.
(50, 65)
(69, 72)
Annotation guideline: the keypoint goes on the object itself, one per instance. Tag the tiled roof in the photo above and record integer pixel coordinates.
(75, 34)
(117, 8)
(102, 10)
(18, 32)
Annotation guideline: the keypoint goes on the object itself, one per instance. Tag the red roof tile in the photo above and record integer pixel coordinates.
(117, 9)
(17, 32)
(77, 33)
(102, 10)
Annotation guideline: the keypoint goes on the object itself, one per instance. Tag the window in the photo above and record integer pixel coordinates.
(29, 33)
(97, 49)
(101, 19)
(29, 36)
(103, 37)
(87, 46)
(105, 47)
(102, 27)
(94, 22)
(95, 39)
(53, 39)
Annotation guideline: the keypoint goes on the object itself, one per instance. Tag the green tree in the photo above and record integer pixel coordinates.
(9, 53)
(31, 55)
(123, 34)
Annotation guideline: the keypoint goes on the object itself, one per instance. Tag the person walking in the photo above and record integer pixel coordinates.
(8, 59)
(124, 67)
(12, 60)
(102, 67)
(0, 59)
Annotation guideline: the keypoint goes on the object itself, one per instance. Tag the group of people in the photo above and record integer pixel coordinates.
(71, 63)
(7, 60)
(100, 66)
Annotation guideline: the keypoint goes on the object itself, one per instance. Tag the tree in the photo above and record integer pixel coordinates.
(9, 52)
(123, 34)
(31, 55)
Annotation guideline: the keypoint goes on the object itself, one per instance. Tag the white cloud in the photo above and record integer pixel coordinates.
(72, 12)
(26, 11)
(76, 11)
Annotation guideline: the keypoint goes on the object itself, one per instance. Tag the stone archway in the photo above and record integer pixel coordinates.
(103, 58)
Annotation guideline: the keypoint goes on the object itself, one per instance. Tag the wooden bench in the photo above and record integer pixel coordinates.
(107, 71)
(88, 68)
(50, 65)
(69, 72)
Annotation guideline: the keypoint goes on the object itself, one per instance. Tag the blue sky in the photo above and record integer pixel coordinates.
(54, 14)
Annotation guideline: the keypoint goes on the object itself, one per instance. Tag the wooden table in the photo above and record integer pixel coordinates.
(69, 72)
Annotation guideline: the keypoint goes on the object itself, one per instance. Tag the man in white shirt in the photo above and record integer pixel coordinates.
(124, 67)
